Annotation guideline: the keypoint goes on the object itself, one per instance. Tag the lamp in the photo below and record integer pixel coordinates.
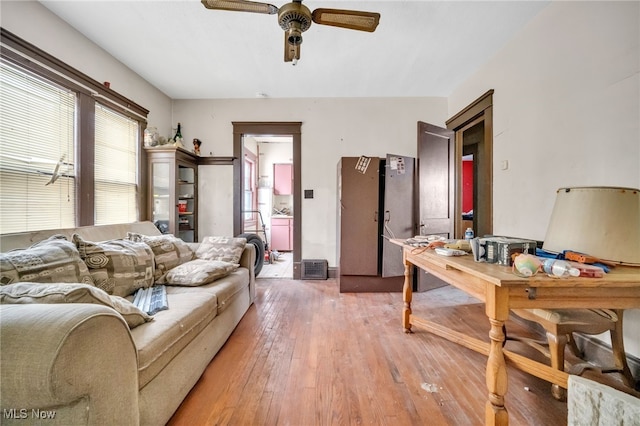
(603, 222)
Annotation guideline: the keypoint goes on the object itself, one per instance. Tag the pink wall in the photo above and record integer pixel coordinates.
(467, 186)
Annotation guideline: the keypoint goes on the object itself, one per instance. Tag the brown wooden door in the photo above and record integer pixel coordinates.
(358, 212)
(436, 176)
(436, 188)
(398, 214)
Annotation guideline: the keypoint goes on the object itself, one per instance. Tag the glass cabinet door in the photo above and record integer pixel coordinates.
(162, 203)
(173, 191)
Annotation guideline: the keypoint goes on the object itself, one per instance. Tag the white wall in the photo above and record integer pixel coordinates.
(331, 128)
(36, 24)
(566, 113)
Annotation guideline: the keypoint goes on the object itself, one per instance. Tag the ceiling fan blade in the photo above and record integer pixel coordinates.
(291, 51)
(351, 19)
(241, 6)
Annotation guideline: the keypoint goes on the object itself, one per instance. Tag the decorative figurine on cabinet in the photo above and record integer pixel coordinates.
(177, 139)
(196, 146)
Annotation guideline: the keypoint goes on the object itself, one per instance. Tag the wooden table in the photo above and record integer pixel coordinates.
(501, 291)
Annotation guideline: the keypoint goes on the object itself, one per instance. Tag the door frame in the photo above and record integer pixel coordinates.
(478, 111)
(293, 129)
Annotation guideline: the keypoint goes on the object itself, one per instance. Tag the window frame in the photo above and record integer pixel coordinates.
(23, 54)
(251, 219)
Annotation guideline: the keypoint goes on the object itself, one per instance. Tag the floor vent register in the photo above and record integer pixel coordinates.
(314, 269)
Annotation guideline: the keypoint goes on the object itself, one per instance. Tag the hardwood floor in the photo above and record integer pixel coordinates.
(281, 267)
(306, 354)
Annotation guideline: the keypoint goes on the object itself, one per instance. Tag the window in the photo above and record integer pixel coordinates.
(69, 147)
(116, 186)
(37, 176)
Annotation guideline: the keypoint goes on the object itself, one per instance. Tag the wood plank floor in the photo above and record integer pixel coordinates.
(306, 354)
(281, 266)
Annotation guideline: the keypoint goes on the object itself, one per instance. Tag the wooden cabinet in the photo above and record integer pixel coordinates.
(173, 191)
(358, 222)
(375, 198)
(283, 179)
(282, 234)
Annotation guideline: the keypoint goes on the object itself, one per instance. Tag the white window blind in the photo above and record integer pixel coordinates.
(37, 173)
(116, 168)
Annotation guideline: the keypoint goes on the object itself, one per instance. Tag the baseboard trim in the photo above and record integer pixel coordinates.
(369, 284)
(332, 272)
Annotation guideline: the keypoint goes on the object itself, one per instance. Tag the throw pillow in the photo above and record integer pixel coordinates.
(198, 272)
(54, 260)
(226, 249)
(168, 251)
(30, 293)
(118, 267)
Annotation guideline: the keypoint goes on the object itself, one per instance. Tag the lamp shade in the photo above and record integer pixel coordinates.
(603, 222)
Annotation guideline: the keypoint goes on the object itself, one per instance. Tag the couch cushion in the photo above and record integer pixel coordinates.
(118, 267)
(54, 293)
(197, 272)
(228, 287)
(191, 309)
(158, 342)
(54, 260)
(169, 251)
(226, 249)
(225, 288)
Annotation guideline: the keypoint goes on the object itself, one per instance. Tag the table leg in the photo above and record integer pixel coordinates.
(495, 411)
(407, 294)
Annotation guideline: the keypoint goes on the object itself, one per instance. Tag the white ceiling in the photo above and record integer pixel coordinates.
(420, 48)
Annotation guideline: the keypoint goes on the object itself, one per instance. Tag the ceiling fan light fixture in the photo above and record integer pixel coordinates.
(294, 35)
(291, 51)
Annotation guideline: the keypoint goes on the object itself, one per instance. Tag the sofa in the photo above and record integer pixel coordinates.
(78, 362)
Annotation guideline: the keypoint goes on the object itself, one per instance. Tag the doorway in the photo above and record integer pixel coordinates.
(269, 197)
(473, 127)
(254, 189)
(455, 176)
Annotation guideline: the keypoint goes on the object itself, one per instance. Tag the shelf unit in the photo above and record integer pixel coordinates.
(173, 195)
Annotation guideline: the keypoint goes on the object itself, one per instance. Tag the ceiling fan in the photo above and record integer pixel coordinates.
(295, 18)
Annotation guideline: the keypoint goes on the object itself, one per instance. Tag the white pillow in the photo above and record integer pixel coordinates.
(197, 272)
(227, 249)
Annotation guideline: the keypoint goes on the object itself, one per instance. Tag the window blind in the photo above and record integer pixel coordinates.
(116, 169)
(37, 173)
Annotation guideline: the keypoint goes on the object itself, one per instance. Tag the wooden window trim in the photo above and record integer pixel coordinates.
(25, 55)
